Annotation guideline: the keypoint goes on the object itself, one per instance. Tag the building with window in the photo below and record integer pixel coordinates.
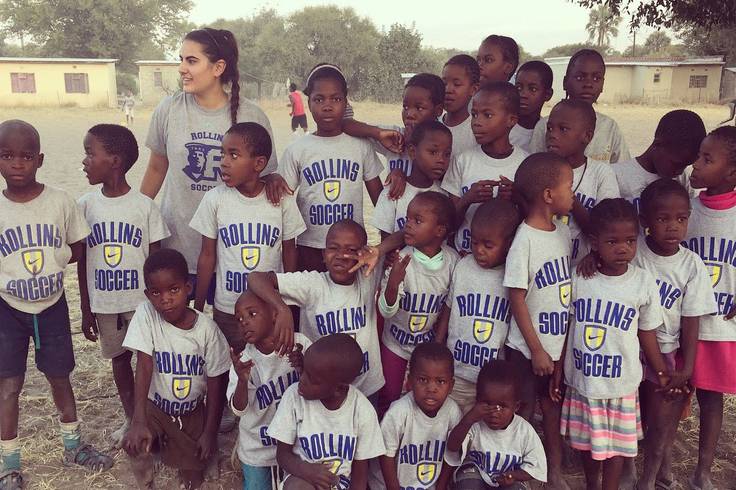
(157, 79)
(77, 82)
(653, 80)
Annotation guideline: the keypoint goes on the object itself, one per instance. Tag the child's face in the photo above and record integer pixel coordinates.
(339, 242)
(616, 243)
(489, 244)
(98, 164)
(712, 169)
(502, 398)
(238, 165)
(432, 155)
(532, 93)
(254, 317)
(421, 226)
(669, 162)
(561, 195)
(327, 103)
(168, 292)
(315, 382)
(459, 89)
(667, 221)
(418, 107)
(585, 81)
(198, 73)
(493, 67)
(567, 133)
(490, 119)
(20, 159)
(431, 382)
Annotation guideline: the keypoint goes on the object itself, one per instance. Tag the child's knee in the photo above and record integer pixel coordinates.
(296, 483)
(10, 388)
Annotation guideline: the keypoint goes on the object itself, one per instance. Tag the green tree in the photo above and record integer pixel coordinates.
(567, 49)
(657, 42)
(718, 40)
(602, 26)
(669, 13)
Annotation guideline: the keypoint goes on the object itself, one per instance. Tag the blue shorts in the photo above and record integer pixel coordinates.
(261, 477)
(54, 353)
(210, 290)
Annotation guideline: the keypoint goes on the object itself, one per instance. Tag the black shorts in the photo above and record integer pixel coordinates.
(299, 122)
(54, 356)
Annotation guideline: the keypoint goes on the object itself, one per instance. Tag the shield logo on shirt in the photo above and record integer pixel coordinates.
(181, 386)
(714, 269)
(565, 292)
(594, 336)
(482, 330)
(565, 218)
(426, 473)
(113, 254)
(251, 255)
(417, 323)
(33, 260)
(332, 189)
(333, 465)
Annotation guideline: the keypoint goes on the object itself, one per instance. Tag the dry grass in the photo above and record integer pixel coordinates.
(62, 131)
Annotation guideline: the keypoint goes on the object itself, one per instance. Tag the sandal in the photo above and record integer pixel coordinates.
(87, 456)
(664, 484)
(11, 480)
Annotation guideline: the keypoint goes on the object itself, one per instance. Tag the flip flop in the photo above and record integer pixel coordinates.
(664, 484)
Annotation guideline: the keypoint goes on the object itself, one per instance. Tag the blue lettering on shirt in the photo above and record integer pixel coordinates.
(271, 391)
(332, 168)
(237, 234)
(39, 235)
(668, 294)
(343, 320)
(115, 232)
(494, 463)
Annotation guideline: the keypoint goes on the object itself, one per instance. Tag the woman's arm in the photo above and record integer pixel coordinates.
(155, 174)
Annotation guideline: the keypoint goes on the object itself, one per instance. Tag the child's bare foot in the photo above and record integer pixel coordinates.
(701, 482)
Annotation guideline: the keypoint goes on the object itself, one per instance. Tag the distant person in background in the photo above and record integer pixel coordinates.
(298, 116)
(128, 105)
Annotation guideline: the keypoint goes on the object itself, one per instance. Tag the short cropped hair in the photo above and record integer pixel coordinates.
(508, 93)
(351, 225)
(498, 371)
(442, 207)
(610, 211)
(117, 140)
(470, 65)
(507, 45)
(538, 171)
(659, 189)
(342, 355)
(166, 259)
(430, 82)
(682, 131)
(540, 68)
(255, 137)
(426, 127)
(432, 351)
(583, 109)
(500, 212)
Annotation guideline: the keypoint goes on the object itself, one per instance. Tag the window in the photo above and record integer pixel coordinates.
(656, 78)
(76, 83)
(158, 80)
(698, 81)
(23, 83)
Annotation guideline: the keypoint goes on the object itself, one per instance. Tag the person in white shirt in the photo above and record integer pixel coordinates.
(461, 75)
(534, 83)
(326, 430)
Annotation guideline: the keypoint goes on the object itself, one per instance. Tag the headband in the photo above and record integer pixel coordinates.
(320, 67)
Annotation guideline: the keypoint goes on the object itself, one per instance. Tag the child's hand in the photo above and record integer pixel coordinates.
(678, 382)
(296, 357)
(367, 258)
(505, 188)
(505, 479)
(480, 191)
(242, 369)
(398, 271)
(396, 182)
(89, 326)
(542, 363)
(138, 439)
(392, 140)
(588, 265)
(320, 476)
(276, 187)
(205, 445)
(731, 313)
(480, 411)
(284, 327)
(555, 393)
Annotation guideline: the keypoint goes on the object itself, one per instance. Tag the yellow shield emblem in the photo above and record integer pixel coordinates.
(714, 269)
(33, 260)
(426, 473)
(594, 336)
(113, 254)
(181, 387)
(333, 465)
(564, 219)
(250, 255)
(332, 189)
(565, 292)
(482, 330)
(417, 323)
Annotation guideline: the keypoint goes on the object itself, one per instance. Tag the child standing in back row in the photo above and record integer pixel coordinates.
(461, 75)
(534, 83)
(126, 227)
(498, 57)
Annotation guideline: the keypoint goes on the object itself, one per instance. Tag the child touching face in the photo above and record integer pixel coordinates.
(498, 57)
(534, 83)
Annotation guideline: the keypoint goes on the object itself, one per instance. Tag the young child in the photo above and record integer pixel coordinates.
(414, 289)
(336, 301)
(686, 295)
(415, 428)
(538, 277)
(297, 113)
(126, 227)
(500, 448)
(478, 174)
(241, 230)
(710, 234)
(583, 80)
(461, 75)
(498, 57)
(613, 314)
(181, 374)
(258, 379)
(424, 95)
(675, 146)
(570, 127)
(534, 83)
(328, 167)
(41, 231)
(429, 149)
(478, 311)
(129, 108)
(326, 430)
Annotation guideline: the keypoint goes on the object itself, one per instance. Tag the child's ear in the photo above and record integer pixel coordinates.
(441, 231)
(731, 175)
(643, 221)
(548, 94)
(261, 163)
(547, 195)
(147, 293)
(116, 162)
(438, 109)
(588, 136)
(508, 69)
(411, 149)
(40, 160)
(512, 120)
(474, 88)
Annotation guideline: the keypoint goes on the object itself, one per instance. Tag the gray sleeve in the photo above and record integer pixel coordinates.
(158, 129)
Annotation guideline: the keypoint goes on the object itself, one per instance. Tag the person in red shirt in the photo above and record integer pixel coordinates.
(298, 116)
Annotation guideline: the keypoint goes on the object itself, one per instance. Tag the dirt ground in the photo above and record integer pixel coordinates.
(62, 131)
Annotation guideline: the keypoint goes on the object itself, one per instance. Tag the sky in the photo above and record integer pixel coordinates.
(536, 25)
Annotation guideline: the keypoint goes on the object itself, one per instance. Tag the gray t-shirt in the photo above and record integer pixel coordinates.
(632, 178)
(390, 215)
(34, 248)
(480, 314)
(249, 233)
(123, 228)
(463, 138)
(539, 261)
(521, 137)
(182, 359)
(190, 137)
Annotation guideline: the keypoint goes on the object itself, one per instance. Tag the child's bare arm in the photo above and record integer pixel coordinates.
(388, 470)
(216, 386)
(266, 286)
(89, 324)
(542, 363)
(374, 188)
(581, 215)
(457, 435)
(154, 247)
(392, 140)
(359, 474)
(650, 347)
(511, 477)
(77, 251)
(138, 439)
(443, 482)
(289, 255)
(689, 329)
(442, 325)
(316, 474)
(205, 270)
